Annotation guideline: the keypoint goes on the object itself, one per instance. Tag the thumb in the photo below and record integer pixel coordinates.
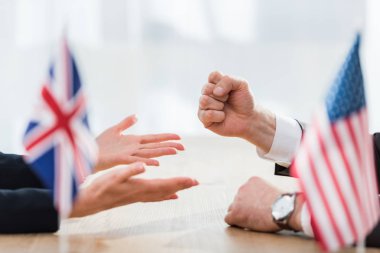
(130, 171)
(126, 123)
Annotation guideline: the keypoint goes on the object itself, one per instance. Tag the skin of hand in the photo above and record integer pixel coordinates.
(119, 187)
(115, 148)
(227, 107)
(252, 207)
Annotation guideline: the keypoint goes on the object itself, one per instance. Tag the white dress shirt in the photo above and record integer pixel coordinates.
(286, 141)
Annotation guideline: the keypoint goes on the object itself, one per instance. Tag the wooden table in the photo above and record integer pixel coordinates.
(194, 223)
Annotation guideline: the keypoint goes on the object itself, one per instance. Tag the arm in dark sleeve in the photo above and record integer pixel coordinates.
(373, 239)
(15, 173)
(27, 211)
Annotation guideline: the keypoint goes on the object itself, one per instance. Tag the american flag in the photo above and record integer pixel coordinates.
(335, 162)
(61, 150)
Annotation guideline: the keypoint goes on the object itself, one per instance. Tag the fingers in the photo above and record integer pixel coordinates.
(150, 153)
(147, 161)
(170, 186)
(151, 138)
(130, 171)
(210, 116)
(176, 145)
(215, 77)
(208, 90)
(209, 103)
(171, 197)
(126, 123)
(229, 219)
(228, 84)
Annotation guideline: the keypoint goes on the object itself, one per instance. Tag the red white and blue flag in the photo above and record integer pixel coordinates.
(61, 150)
(335, 162)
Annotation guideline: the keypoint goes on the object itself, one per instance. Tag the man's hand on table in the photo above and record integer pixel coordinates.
(252, 207)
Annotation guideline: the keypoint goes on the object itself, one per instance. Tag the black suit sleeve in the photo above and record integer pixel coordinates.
(27, 210)
(15, 173)
(25, 207)
(373, 239)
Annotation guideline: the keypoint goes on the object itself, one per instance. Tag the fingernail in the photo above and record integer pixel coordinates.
(195, 182)
(219, 91)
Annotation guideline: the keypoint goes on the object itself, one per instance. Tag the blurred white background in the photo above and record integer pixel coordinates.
(151, 57)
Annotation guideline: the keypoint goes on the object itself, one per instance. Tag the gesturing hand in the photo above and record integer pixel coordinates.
(118, 186)
(227, 107)
(115, 148)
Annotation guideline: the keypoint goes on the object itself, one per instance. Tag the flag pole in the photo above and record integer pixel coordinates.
(360, 246)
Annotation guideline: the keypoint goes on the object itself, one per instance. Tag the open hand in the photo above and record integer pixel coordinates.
(115, 148)
(118, 186)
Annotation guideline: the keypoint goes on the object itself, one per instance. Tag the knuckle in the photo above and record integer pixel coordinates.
(242, 188)
(244, 84)
(227, 78)
(203, 101)
(227, 219)
(200, 114)
(254, 179)
(209, 115)
(213, 74)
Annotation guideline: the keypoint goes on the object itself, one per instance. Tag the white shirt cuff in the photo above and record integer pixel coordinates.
(306, 221)
(286, 140)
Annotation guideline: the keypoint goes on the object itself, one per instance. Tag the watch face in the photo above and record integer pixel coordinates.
(282, 207)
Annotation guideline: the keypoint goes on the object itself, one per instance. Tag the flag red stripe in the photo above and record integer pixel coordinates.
(335, 180)
(368, 162)
(360, 160)
(318, 234)
(325, 203)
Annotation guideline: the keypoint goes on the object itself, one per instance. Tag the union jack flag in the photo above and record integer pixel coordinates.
(61, 150)
(335, 162)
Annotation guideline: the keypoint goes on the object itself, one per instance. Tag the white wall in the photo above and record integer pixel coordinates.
(151, 57)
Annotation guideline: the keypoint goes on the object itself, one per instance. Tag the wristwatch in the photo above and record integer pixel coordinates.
(283, 208)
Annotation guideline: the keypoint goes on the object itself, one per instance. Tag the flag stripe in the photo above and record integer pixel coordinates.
(339, 185)
(308, 186)
(320, 189)
(61, 149)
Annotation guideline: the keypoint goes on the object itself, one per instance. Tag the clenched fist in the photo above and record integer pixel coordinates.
(227, 107)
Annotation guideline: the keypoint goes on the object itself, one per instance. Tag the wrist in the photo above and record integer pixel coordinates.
(261, 129)
(83, 205)
(295, 218)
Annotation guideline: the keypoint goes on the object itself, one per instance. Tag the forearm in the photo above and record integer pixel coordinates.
(27, 211)
(279, 141)
(261, 128)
